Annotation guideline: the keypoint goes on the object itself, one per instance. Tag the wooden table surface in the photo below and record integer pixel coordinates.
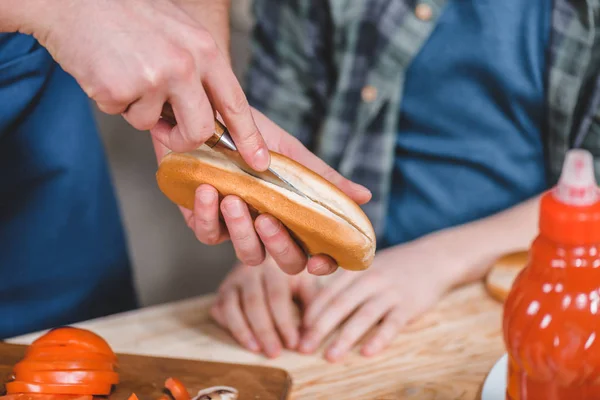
(443, 356)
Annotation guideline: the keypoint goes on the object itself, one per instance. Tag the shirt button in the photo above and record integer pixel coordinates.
(424, 12)
(368, 93)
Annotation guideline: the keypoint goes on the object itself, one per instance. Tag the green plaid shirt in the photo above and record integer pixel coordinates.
(331, 72)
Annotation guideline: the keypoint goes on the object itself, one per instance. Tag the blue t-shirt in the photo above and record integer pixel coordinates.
(469, 140)
(63, 255)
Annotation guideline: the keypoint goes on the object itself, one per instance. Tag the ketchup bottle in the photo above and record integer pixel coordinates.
(551, 317)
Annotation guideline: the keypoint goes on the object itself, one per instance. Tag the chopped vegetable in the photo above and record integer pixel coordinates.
(99, 389)
(70, 362)
(177, 389)
(62, 365)
(66, 352)
(69, 377)
(133, 397)
(74, 338)
(39, 396)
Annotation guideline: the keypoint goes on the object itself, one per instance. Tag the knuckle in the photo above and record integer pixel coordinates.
(281, 252)
(119, 95)
(253, 260)
(238, 105)
(183, 65)
(346, 337)
(210, 239)
(242, 337)
(243, 237)
(142, 121)
(338, 302)
(252, 300)
(368, 311)
(206, 45)
(277, 295)
(153, 78)
(265, 334)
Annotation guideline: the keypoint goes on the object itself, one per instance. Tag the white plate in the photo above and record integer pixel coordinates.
(494, 387)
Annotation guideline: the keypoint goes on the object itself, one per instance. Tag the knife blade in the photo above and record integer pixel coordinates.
(222, 142)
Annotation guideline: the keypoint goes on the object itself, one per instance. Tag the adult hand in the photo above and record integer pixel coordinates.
(133, 56)
(256, 304)
(251, 238)
(403, 282)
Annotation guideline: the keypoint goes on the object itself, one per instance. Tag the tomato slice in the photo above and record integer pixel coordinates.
(177, 389)
(68, 377)
(74, 337)
(62, 365)
(40, 396)
(66, 353)
(99, 389)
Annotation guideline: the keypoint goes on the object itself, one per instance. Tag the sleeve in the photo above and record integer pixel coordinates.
(290, 72)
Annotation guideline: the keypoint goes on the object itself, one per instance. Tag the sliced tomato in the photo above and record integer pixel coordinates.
(66, 353)
(62, 365)
(40, 396)
(99, 389)
(177, 389)
(68, 377)
(74, 337)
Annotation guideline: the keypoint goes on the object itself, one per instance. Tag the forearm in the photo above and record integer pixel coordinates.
(473, 247)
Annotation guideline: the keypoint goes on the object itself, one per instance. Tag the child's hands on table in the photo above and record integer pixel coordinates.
(256, 304)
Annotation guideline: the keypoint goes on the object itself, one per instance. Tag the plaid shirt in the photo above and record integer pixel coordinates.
(331, 72)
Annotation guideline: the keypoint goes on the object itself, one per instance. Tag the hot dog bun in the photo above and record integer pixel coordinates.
(500, 279)
(329, 223)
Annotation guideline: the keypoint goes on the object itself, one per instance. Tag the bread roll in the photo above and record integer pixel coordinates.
(500, 279)
(329, 223)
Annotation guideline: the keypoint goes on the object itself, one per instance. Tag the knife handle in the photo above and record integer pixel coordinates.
(169, 116)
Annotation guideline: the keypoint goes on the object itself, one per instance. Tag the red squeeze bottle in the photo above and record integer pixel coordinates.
(551, 316)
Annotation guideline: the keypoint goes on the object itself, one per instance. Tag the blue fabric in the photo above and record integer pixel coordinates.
(63, 255)
(469, 140)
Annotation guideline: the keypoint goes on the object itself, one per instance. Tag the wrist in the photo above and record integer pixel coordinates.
(447, 263)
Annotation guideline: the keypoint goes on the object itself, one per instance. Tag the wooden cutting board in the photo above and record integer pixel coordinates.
(146, 376)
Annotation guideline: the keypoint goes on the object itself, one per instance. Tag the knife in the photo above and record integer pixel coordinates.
(222, 142)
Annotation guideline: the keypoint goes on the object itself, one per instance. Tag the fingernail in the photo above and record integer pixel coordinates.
(207, 197)
(234, 208)
(363, 189)
(334, 352)
(262, 159)
(292, 342)
(253, 345)
(306, 346)
(268, 227)
(272, 350)
(370, 348)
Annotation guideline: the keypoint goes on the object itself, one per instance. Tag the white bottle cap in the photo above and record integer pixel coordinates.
(577, 184)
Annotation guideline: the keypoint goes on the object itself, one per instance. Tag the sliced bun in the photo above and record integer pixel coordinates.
(329, 223)
(500, 279)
